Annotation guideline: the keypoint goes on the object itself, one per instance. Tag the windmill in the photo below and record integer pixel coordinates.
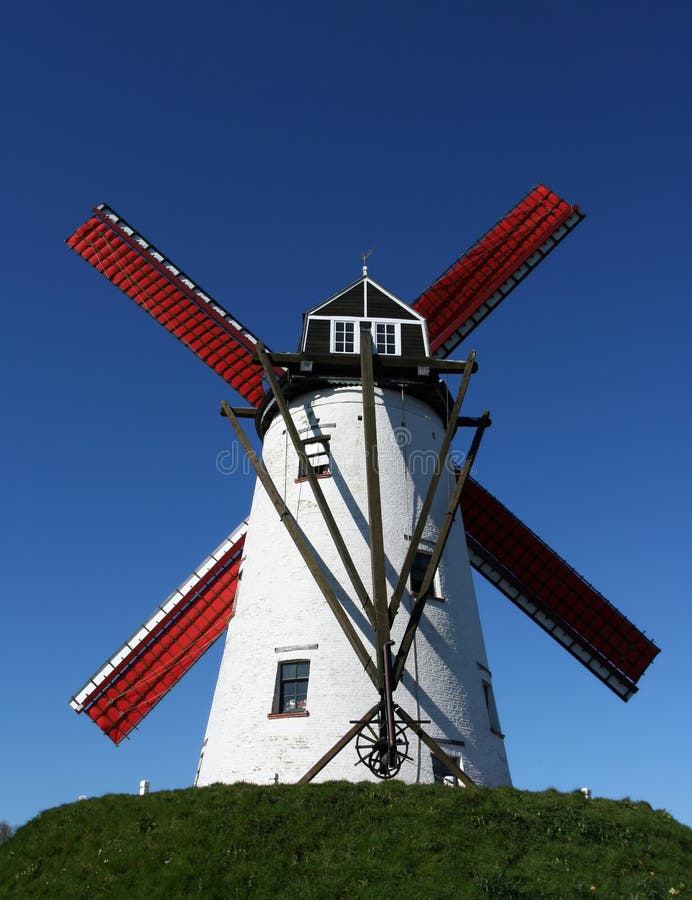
(355, 623)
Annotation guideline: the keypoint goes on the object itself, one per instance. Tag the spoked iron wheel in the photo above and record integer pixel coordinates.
(371, 747)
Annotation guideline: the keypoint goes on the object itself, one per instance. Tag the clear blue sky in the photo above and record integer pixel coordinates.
(263, 148)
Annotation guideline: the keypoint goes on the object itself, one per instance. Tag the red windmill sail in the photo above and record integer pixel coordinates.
(532, 575)
(480, 279)
(158, 286)
(161, 651)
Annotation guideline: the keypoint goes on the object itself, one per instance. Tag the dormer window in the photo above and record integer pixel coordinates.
(344, 337)
(386, 338)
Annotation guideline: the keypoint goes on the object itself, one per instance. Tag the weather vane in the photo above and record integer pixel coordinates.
(364, 255)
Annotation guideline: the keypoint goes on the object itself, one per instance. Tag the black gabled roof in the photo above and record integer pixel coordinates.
(351, 302)
(376, 293)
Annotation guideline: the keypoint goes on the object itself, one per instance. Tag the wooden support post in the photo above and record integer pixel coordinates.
(339, 746)
(432, 488)
(419, 605)
(317, 491)
(432, 744)
(305, 550)
(379, 580)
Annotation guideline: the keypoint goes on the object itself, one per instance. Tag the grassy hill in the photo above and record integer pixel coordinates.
(349, 840)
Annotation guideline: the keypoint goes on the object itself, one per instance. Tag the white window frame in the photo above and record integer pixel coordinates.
(397, 337)
(356, 334)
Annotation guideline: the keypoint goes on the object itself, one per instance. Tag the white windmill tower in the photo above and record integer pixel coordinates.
(360, 421)
(355, 623)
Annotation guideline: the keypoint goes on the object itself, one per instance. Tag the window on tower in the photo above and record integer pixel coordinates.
(317, 457)
(441, 773)
(418, 570)
(492, 709)
(293, 678)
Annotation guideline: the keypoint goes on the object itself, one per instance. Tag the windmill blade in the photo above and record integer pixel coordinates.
(549, 590)
(157, 285)
(176, 635)
(480, 279)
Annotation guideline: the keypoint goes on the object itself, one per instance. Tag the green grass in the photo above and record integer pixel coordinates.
(349, 840)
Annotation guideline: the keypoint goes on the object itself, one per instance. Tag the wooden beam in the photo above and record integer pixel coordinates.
(339, 746)
(377, 566)
(242, 412)
(381, 362)
(432, 488)
(305, 550)
(468, 421)
(447, 523)
(329, 521)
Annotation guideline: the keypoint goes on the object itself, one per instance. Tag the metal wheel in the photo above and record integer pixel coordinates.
(371, 748)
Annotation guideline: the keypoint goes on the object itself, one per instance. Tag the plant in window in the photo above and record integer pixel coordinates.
(293, 686)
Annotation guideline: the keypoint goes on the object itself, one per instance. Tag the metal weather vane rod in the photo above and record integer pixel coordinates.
(303, 547)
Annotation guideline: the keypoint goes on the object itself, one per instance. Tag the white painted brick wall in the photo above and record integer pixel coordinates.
(279, 605)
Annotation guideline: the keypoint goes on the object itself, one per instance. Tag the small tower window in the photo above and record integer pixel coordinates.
(492, 709)
(386, 334)
(317, 453)
(418, 570)
(442, 774)
(344, 337)
(293, 686)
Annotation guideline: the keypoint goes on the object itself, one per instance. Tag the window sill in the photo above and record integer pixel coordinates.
(298, 714)
(430, 599)
(305, 477)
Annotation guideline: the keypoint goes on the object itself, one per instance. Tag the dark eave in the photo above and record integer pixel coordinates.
(418, 377)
